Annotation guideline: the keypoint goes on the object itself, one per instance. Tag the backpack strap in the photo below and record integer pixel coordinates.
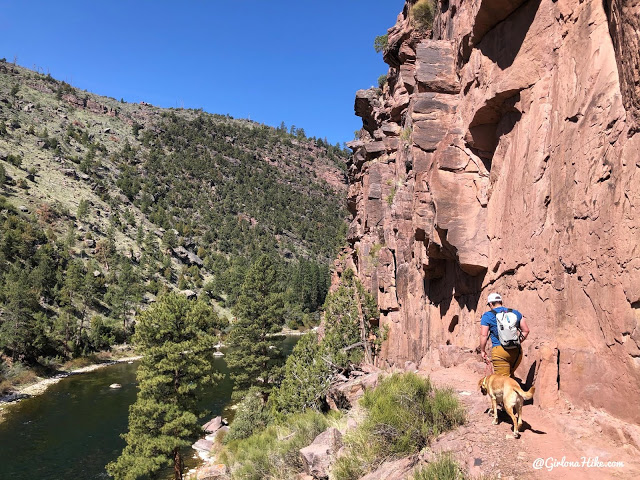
(493, 311)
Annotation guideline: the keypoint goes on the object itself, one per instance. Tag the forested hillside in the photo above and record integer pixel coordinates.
(105, 204)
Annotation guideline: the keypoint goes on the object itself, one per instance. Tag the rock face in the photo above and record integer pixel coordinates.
(624, 26)
(502, 156)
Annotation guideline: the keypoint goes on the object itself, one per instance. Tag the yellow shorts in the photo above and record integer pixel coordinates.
(504, 361)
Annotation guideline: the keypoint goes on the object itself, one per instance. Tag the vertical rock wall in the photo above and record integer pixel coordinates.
(501, 156)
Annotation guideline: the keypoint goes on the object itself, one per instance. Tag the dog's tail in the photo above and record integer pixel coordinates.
(526, 395)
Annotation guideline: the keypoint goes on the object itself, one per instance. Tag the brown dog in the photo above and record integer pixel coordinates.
(506, 390)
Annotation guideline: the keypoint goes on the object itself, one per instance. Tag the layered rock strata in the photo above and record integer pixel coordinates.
(501, 155)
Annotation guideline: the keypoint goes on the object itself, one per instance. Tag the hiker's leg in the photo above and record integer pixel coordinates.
(501, 361)
(516, 358)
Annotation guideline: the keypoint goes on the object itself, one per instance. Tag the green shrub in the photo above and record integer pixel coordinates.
(15, 160)
(422, 13)
(251, 417)
(444, 468)
(405, 136)
(380, 43)
(274, 452)
(392, 195)
(382, 81)
(83, 209)
(402, 415)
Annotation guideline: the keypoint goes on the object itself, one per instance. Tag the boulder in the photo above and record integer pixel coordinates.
(203, 445)
(213, 425)
(318, 457)
(396, 470)
(190, 294)
(216, 436)
(344, 393)
(187, 257)
(69, 172)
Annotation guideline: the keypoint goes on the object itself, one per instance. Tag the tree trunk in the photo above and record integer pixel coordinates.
(81, 328)
(178, 464)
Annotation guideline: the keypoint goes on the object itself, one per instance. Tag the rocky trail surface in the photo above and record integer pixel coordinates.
(549, 435)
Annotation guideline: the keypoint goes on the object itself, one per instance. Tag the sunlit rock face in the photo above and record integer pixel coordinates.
(501, 155)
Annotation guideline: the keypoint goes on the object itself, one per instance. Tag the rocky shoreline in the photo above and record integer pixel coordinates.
(42, 385)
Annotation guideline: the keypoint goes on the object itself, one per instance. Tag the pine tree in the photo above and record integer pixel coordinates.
(307, 377)
(176, 338)
(348, 334)
(18, 324)
(347, 315)
(253, 359)
(124, 292)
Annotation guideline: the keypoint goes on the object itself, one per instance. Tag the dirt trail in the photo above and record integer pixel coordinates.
(492, 451)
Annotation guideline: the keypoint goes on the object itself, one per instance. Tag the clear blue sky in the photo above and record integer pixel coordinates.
(300, 62)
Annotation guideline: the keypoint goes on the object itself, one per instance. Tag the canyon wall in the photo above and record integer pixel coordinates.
(501, 155)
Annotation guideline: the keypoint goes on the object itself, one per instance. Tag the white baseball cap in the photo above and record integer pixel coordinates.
(494, 297)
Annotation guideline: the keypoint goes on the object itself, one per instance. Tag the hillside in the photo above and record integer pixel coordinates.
(135, 199)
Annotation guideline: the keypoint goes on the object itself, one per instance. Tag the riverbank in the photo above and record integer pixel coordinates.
(287, 332)
(38, 387)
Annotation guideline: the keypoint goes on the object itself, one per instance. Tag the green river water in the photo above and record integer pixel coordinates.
(73, 429)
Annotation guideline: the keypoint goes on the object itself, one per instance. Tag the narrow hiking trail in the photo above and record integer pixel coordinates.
(550, 435)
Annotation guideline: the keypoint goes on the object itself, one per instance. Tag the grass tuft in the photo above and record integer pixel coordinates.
(444, 468)
(402, 416)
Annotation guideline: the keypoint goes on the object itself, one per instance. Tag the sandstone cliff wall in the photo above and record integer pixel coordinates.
(501, 156)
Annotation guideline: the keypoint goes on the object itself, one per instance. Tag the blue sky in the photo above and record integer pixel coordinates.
(300, 62)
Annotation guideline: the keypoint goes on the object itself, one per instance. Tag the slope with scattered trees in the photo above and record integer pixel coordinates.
(105, 205)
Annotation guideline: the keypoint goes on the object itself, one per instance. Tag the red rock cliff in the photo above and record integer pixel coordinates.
(501, 156)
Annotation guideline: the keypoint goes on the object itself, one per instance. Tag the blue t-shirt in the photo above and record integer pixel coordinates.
(489, 319)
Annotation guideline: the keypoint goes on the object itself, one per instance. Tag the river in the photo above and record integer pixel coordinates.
(73, 429)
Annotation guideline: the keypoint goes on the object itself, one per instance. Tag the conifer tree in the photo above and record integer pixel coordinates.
(253, 359)
(307, 377)
(125, 292)
(17, 322)
(176, 338)
(348, 335)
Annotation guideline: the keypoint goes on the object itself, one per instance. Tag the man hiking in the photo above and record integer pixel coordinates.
(508, 330)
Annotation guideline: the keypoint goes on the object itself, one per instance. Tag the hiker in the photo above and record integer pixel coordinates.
(508, 330)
